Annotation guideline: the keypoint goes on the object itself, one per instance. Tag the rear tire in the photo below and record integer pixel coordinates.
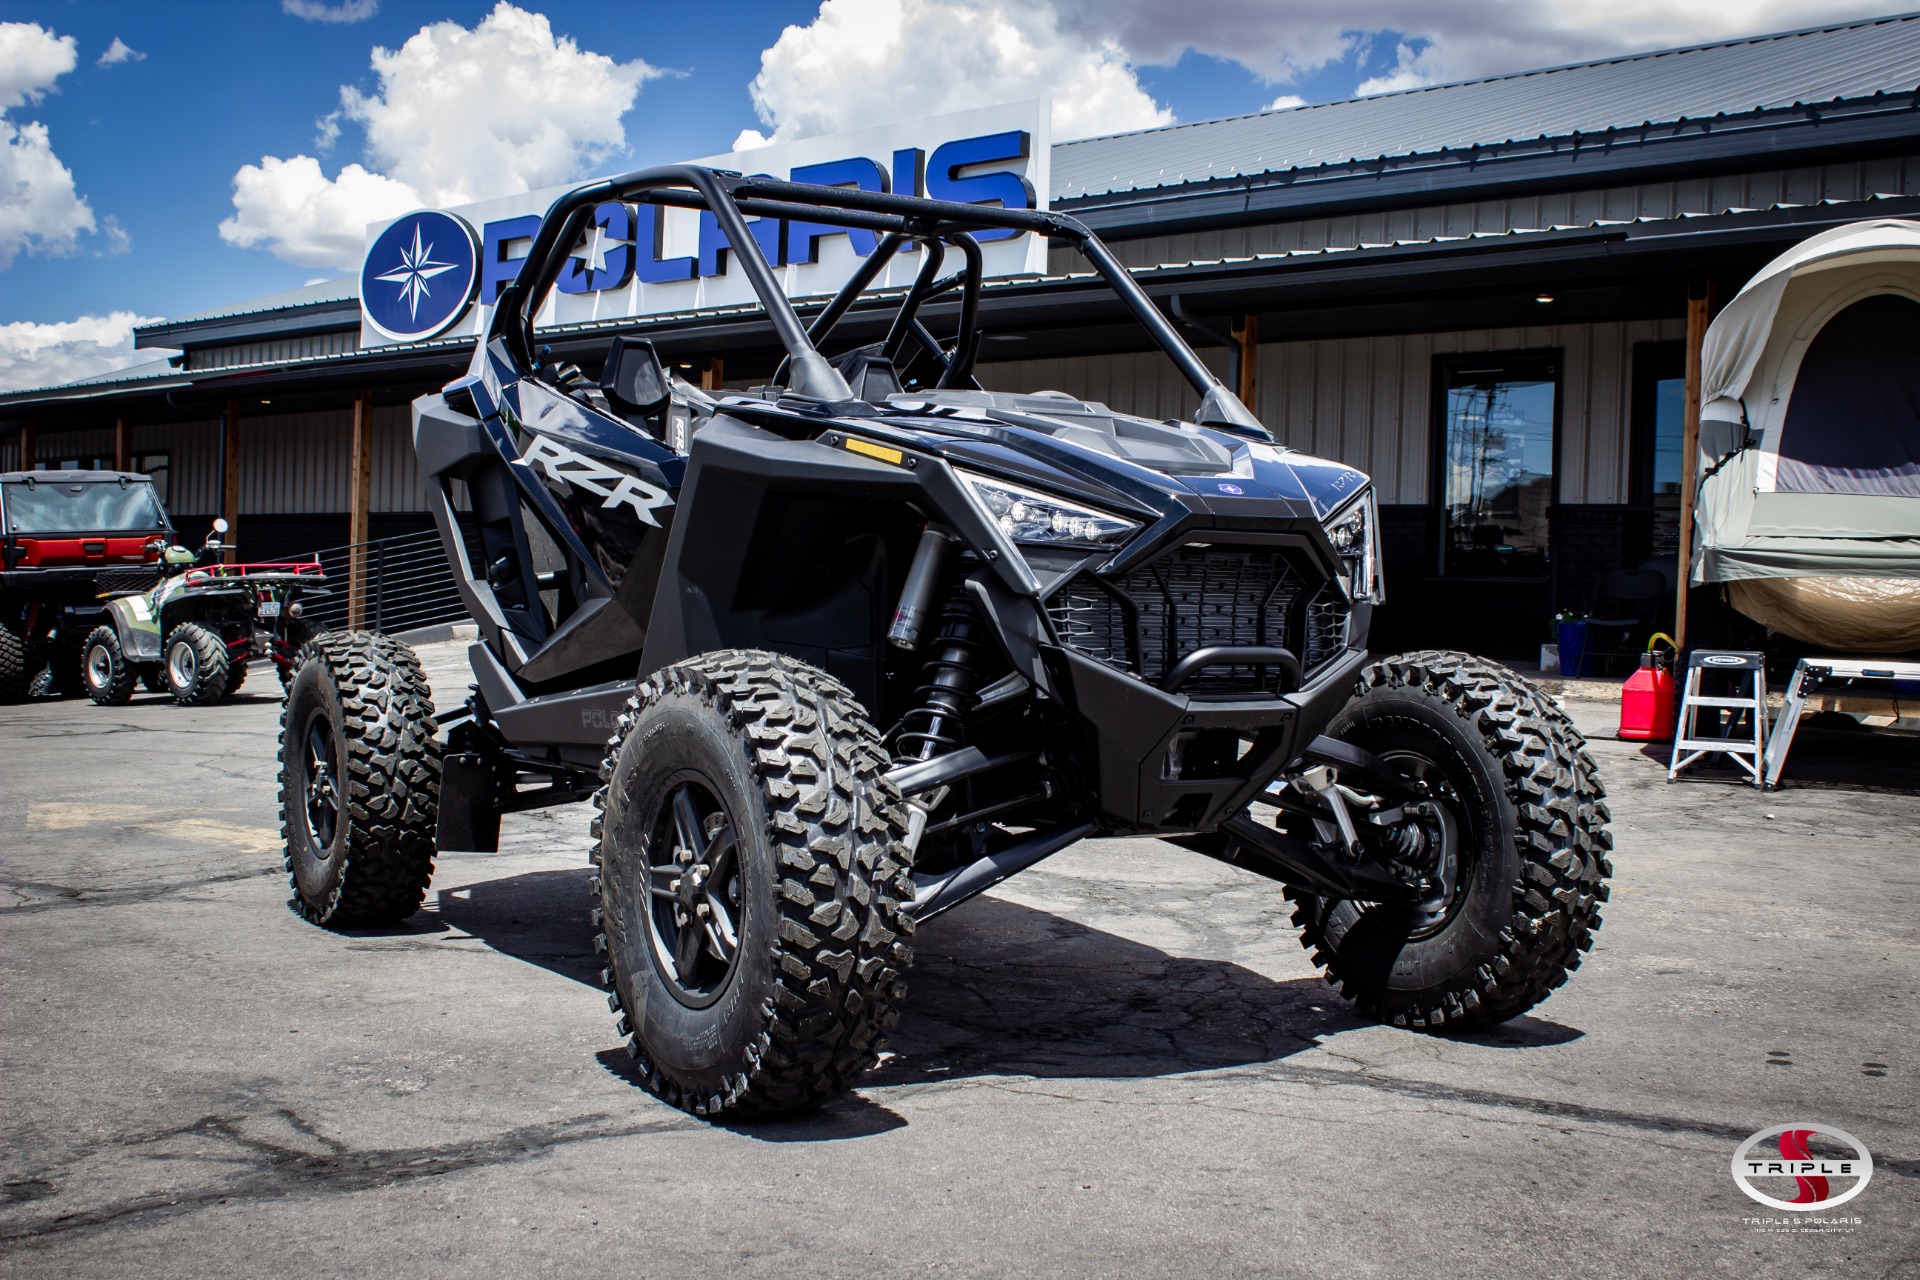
(299, 632)
(236, 676)
(195, 662)
(153, 679)
(359, 780)
(64, 666)
(13, 664)
(1518, 781)
(751, 883)
(108, 675)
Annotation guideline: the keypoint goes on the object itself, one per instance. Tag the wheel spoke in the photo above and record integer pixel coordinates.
(720, 927)
(686, 822)
(686, 950)
(722, 950)
(670, 895)
(718, 855)
(317, 743)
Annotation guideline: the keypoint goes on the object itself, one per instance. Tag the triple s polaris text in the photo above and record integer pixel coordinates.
(897, 638)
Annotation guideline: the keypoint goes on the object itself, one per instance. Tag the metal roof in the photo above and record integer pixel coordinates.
(344, 289)
(1851, 60)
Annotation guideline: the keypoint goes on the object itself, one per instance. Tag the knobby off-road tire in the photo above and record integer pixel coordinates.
(299, 634)
(1533, 844)
(153, 678)
(359, 780)
(794, 777)
(194, 659)
(105, 668)
(236, 676)
(13, 665)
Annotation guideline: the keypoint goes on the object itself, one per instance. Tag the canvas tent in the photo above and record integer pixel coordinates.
(1808, 505)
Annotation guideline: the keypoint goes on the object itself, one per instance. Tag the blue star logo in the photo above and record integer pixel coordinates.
(417, 266)
(419, 276)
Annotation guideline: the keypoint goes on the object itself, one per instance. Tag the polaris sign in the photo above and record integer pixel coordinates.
(437, 273)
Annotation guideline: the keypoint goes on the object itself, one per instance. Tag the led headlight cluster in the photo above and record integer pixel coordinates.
(1041, 520)
(1352, 532)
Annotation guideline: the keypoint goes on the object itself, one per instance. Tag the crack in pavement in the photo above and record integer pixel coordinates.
(277, 1170)
(52, 897)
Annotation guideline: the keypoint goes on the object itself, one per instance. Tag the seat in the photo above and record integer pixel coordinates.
(870, 375)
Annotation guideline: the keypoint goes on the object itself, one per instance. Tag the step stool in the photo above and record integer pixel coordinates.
(1749, 752)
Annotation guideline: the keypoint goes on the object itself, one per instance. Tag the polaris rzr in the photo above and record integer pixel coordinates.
(832, 656)
(67, 538)
(194, 633)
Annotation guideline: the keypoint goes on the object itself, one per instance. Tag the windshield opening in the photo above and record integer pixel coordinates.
(53, 508)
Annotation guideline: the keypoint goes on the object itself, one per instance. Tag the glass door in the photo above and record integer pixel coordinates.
(1498, 418)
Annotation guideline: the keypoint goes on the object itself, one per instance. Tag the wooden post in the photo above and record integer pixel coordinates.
(1699, 314)
(122, 445)
(360, 505)
(714, 376)
(230, 486)
(26, 445)
(1247, 334)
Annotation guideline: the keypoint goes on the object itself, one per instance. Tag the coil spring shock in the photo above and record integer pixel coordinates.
(946, 694)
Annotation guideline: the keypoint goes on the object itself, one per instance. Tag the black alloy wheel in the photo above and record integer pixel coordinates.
(694, 879)
(322, 789)
(1448, 836)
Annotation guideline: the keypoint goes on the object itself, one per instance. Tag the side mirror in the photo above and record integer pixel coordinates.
(220, 524)
(634, 380)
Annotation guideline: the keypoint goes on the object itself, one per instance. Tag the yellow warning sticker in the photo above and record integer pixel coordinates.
(879, 451)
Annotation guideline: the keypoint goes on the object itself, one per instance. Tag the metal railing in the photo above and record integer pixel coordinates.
(406, 582)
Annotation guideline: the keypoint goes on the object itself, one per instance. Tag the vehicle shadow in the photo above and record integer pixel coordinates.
(996, 989)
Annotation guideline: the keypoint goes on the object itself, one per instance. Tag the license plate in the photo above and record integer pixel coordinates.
(269, 608)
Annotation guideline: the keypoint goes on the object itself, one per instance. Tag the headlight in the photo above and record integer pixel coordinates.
(1041, 520)
(1352, 532)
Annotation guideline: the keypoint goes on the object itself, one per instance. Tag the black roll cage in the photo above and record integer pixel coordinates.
(730, 197)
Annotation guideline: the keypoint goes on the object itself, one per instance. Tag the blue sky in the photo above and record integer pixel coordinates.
(116, 174)
(155, 143)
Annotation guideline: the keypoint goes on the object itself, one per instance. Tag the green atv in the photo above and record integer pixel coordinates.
(193, 633)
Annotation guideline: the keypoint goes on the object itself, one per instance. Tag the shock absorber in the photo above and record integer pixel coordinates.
(937, 723)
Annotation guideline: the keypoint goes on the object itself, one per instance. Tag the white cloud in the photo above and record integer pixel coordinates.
(40, 211)
(45, 355)
(118, 52)
(459, 115)
(31, 59)
(1286, 102)
(305, 217)
(320, 11)
(861, 62)
(1462, 39)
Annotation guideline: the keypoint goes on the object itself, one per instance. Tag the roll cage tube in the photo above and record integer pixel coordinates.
(731, 196)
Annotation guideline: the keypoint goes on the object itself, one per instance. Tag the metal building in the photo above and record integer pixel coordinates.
(1485, 294)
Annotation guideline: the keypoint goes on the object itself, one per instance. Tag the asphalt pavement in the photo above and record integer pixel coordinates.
(1120, 1063)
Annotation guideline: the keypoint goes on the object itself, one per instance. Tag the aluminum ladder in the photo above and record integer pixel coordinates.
(1808, 676)
(1749, 752)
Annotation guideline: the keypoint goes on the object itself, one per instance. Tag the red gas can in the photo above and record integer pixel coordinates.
(1646, 702)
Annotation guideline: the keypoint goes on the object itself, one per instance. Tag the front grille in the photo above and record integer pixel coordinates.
(1196, 597)
(138, 578)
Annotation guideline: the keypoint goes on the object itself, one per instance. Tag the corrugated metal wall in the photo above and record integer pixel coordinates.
(1725, 193)
(290, 463)
(1368, 401)
(280, 349)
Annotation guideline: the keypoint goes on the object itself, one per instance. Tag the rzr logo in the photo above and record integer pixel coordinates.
(581, 472)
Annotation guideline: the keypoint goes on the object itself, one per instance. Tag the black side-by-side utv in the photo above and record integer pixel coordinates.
(833, 656)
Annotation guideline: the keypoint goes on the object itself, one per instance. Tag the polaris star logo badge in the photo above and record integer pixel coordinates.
(419, 275)
(1230, 488)
(1822, 1180)
(578, 471)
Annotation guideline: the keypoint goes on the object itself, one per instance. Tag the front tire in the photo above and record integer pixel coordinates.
(1531, 843)
(751, 885)
(13, 664)
(108, 675)
(196, 665)
(359, 780)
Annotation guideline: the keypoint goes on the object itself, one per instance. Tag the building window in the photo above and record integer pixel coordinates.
(1659, 435)
(1497, 420)
(155, 467)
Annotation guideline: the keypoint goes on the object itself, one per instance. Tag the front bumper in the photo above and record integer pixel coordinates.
(1166, 763)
